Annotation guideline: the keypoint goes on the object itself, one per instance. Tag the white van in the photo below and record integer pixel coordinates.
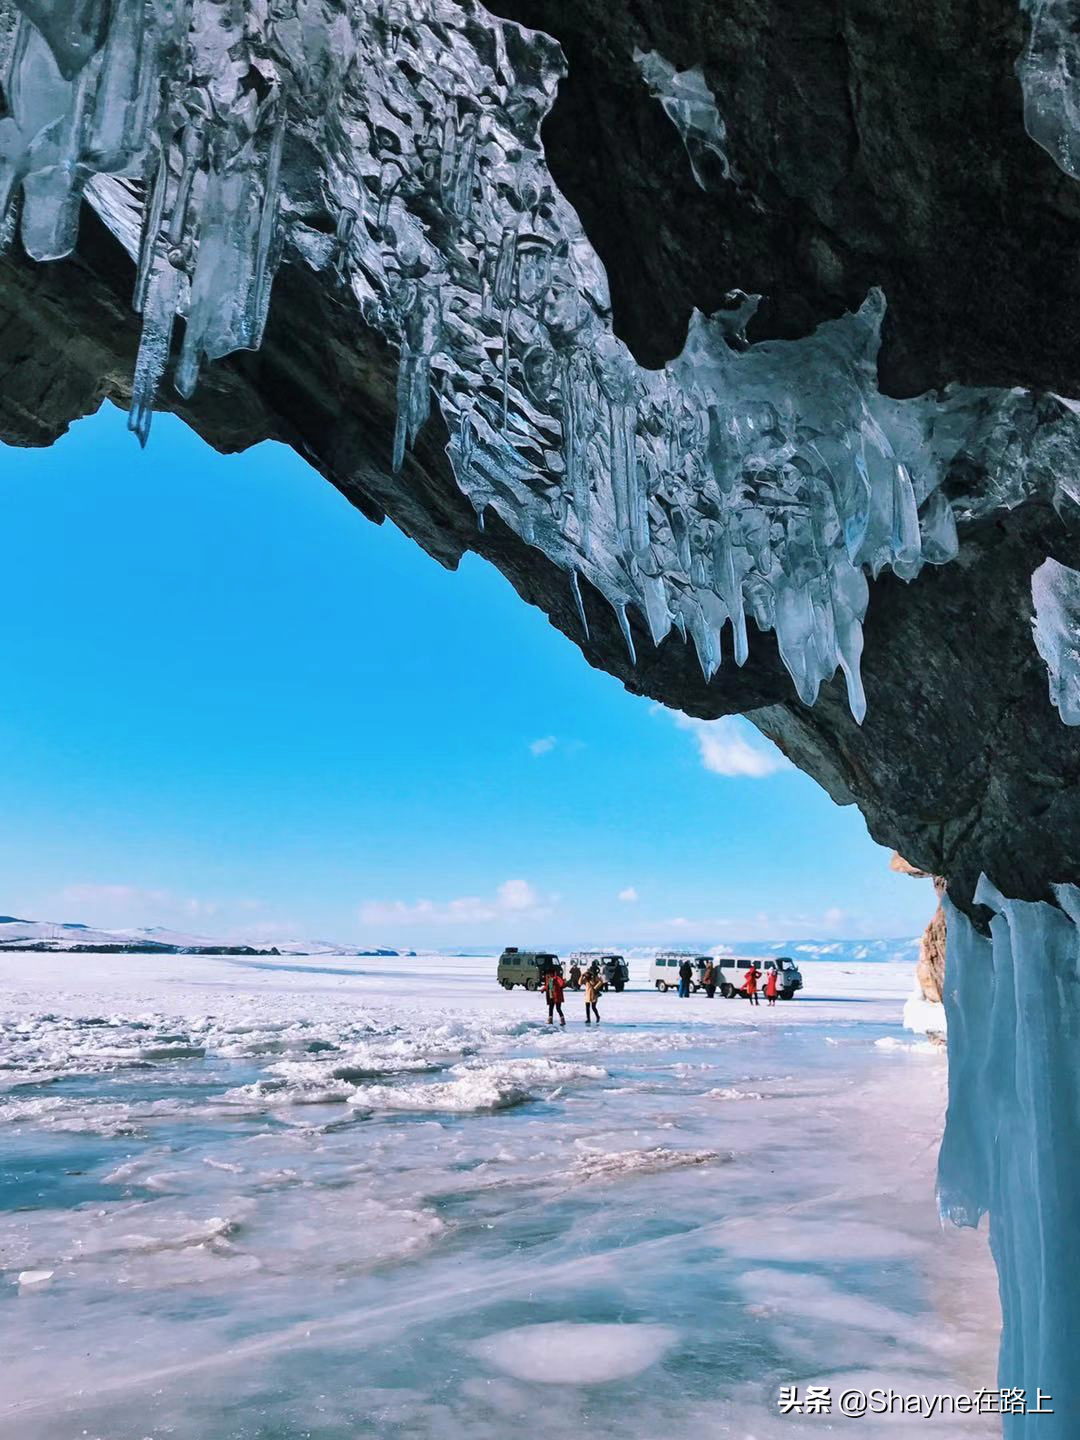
(730, 972)
(664, 971)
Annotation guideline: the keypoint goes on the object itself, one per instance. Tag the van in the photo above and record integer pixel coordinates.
(664, 971)
(731, 974)
(525, 967)
(613, 968)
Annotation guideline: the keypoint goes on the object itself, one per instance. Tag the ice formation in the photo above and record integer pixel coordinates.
(1055, 592)
(1012, 1132)
(740, 483)
(690, 106)
(1049, 73)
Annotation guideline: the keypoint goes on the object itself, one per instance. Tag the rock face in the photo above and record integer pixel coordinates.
(849, 163)
(930, 970)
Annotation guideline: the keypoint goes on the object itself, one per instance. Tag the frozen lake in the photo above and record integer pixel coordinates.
(282, 1199)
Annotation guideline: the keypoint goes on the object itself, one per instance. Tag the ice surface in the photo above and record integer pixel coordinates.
(1013, 1127)
(237, 1250)
(1055, 593)
(757, 483)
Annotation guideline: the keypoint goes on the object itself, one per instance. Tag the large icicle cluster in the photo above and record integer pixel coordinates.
(1012, 1134)
(760, 482)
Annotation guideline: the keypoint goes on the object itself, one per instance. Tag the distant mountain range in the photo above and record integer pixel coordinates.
(903, 950)
(39, 935)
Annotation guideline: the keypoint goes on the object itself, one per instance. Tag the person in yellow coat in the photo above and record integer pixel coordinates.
(593, 986)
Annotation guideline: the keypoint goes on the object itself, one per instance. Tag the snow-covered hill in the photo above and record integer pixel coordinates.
(16, 934)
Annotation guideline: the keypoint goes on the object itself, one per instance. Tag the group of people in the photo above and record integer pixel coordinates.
(710, 979)
(590, 980)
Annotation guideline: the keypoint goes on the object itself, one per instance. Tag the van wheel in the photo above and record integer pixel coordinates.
(661, 985)
(727, 990)
(530, 984)
(507, 984)
(787, 994)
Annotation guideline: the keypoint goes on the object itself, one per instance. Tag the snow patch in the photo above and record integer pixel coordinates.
(562, 1353)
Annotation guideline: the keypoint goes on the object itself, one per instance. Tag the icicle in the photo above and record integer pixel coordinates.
(504, 408)
(159, 313)
(940, 543)
(264, 242)
(126, 88)
(729, 588)
(906, 540)
(573, 405)
(449, 155)
(575, 590)
(390, 177)
(502, 287)
(343, 233)
(151, 231)
(654, 593)
(462, 198)
(624, 626)
(404, 394)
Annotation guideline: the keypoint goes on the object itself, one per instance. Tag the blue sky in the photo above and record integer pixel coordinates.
(232, 705)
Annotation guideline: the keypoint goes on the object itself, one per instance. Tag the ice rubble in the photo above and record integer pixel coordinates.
(1013, 1127)
(762, 481)
(1055, 592)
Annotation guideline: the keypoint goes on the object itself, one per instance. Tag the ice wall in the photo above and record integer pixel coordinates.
(1012, 1135)
(396, 148)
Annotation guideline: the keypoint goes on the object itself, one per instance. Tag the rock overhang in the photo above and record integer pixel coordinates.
(961, 763)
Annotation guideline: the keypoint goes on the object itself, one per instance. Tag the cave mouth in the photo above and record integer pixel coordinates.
(845, 509)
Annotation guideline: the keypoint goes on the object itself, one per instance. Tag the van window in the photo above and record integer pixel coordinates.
(770, 964)
(673, 962)
(744, 964)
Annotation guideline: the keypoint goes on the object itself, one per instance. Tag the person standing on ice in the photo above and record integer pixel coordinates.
(593, 986)
(575, 976)
(770, 986)
(686, 974)
(750, 988)
(708, 979)
(555, 987)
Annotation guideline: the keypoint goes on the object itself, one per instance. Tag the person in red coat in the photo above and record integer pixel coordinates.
(750, 988)
(556, 989)
(770, 986)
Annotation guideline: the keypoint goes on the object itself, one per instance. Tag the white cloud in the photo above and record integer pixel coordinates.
(517, 895)
(116, 904)
(629, 895)
(119, 897)
(513, 897)
(726, 750)
(831, 924)
(544, 745)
